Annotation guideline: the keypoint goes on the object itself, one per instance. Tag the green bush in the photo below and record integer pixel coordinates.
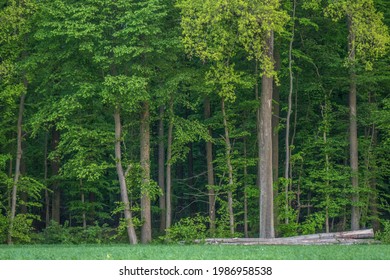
(187, 230)
(3, 228)
(384, 235)
(22, 228)
(64, 234)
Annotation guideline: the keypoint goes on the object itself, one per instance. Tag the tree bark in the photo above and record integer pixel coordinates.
(169, 171)
(55, 167)
(265, 151)
(210, 168)
(161, 169)
(246, 234)
(275, 137)
(47, 197)
(353, 139)
(122, 181)
(19, 153)
(228, 148)
(288, 119)
(146, 229)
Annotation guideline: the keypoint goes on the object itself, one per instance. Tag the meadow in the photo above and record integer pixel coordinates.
(194, 252)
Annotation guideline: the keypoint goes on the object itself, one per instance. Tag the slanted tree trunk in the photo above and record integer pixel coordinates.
(228, 148)
(17, 168)
(169, 171)
(353, 139)
(146, 229)
(161, 168)
(265, 151)
(210, 168)
(122, 181)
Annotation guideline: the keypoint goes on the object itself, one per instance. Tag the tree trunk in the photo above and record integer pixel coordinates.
(228, 148)
(265, 151)
(169, 171)
(245, 192)
(55, 167)
(122, 181)
(288, 119)
(84, 217)
(47, 197)
(210, 168)
(146, 229)
(353, 139)
(275, 136)
(161, 168)
(17, 167)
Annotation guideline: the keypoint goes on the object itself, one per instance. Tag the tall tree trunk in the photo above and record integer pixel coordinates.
(17, 168)
(169, 165)
(146, 229)
(245, 192)
(228, 148)
(265, 151)
(288, 120)
(122, 181)
(275, 137)
(161, 168)
(210, 168)
(55, 168)
(353, 139)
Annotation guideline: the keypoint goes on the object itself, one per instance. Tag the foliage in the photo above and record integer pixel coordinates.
(187, 230)
(64, 234)
(384, 235)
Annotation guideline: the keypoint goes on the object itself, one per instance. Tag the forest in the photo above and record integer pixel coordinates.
(143, 121)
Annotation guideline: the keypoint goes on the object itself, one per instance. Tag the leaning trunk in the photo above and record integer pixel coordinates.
(17, 168)
(122, 181)
(265, 151)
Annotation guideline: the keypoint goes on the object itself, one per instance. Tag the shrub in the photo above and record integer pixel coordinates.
(3, 228)
(187, 230)
(384, 236)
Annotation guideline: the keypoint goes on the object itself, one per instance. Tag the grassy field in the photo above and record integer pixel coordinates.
(194, 252)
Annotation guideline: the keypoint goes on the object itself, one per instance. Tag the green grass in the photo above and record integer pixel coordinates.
(194, 252)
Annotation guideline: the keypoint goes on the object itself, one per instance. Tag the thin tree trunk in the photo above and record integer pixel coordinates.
(265, 151)
(161, 168)
(122, 181)
(275, 137)
(47, 197)
(84, 217)
(55, 167)
(230, 168)
(245, 192)
(210, 168)
(288, 121)
(17, 168)
(169, 165)
(353, 140)
(146, 229)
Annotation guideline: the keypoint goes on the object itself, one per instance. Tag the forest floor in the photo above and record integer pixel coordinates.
(194, 252)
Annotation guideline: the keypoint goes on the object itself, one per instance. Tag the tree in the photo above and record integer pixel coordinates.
(367, 39)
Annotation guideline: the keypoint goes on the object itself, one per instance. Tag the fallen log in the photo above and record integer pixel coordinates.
(348, 237)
